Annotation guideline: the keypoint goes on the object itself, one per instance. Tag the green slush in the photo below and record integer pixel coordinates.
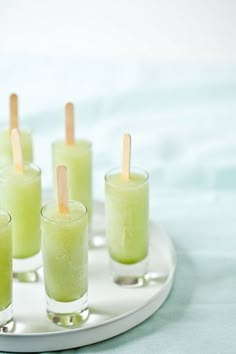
(126, 207)
(5, 260)
(6, 147)
(21, 197)
(65, 251)
(78, 160)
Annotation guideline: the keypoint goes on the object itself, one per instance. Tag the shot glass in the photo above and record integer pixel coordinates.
(65, 263)
(6, 147)
(126, 208)
(20, 195)
(6, 312)
(78, 160)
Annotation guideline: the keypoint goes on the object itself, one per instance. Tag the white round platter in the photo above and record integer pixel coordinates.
(113, 309)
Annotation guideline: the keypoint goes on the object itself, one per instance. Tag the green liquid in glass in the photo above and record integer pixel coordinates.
(78, 160)
(65, 252)
(6, 147)
(127, 217)
(21, 198)
(5, 261)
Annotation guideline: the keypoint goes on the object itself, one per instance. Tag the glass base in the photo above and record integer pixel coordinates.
(6, 320)
(26, 277)
(24, 269)
(68, 314)
(129, 275)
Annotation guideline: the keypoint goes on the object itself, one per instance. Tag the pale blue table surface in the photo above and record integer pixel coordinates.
(183, 123)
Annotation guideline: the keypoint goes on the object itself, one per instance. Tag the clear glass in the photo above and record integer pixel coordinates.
(20, 195)
(6, 147)
(126, 208)
(78, 160)
(65, 263)
(6, 312)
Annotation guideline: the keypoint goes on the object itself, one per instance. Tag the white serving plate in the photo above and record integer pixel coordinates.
(113, 309)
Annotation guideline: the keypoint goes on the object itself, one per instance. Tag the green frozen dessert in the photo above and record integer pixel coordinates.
(65, 251)
(127, 216)
(21, 197)
(77, 158)
(6, 151)
(6, 147)
(5, 261)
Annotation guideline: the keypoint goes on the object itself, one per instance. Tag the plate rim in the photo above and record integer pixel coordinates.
(165, 290)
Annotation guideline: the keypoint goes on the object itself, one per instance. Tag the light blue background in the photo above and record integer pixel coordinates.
(182, 121)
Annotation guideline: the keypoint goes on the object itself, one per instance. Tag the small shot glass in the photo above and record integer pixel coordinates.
(77, 158)
(65, 263)
(126, 208)
(21, 197)
(6, 311)
(6, 146)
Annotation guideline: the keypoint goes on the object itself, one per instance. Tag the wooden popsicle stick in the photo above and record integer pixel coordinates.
(126, 156)
(69, 124)
(62, 190)
(13, 111)
(17, 151)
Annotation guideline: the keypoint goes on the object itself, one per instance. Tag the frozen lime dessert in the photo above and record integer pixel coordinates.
(65, 251)
(77, 158)
(127, 216)
(6, 147)
(5, 260)
(21, 197)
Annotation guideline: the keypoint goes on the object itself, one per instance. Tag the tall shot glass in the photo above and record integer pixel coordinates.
(77, 158)
(6, 312)
(126, 207)
(20, 195)
(65, 261)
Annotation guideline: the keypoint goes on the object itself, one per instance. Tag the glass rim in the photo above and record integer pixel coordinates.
(9, 218)
(76, 140)
(7, 129)
(117, 170)
(54, 203)
(36, 168)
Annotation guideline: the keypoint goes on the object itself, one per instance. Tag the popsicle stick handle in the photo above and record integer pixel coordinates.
(126, 156)
(13, 111)
(70, 124)
(17, 151)
(62, 190)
